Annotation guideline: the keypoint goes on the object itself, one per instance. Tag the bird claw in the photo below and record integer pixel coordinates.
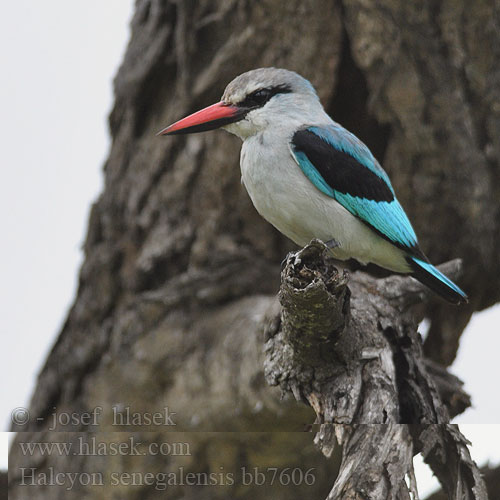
(283, 263)
(297, 260)
(331, 244)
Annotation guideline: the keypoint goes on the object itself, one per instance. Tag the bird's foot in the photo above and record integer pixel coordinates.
(331, 244)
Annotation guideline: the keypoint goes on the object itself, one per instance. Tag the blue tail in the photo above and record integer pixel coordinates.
(427, 274)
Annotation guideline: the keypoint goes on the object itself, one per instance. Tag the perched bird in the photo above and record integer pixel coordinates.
(311, 178)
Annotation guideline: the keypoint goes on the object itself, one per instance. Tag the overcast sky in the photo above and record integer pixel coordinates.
(58, 59)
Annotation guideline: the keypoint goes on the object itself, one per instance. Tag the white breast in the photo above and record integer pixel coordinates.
(285, 197)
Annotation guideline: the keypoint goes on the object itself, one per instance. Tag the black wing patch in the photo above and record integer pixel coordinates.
(341, 171)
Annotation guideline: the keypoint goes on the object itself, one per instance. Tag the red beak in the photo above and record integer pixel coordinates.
(210, 118)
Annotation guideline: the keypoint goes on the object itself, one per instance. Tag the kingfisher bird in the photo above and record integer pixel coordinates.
(311, 178)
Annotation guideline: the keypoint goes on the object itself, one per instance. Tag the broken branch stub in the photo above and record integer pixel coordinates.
(315, 301)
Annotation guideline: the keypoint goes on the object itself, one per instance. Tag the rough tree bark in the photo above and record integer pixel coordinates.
(179, 282)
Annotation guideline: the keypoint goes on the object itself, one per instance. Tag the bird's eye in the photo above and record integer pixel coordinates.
(257, 98)
(261, 96)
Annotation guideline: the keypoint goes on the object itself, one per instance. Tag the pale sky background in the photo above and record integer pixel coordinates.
(58, 59)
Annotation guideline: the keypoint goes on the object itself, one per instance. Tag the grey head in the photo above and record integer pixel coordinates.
(270, 97)
(259, 85)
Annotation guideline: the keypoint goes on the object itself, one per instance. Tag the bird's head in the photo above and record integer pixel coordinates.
(252, 102)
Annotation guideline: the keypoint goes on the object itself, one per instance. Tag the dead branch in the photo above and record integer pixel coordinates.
(355, 356)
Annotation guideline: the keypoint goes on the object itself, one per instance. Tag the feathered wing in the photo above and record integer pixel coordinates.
(342, 167)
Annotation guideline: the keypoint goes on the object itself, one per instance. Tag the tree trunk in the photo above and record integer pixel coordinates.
(177, 293)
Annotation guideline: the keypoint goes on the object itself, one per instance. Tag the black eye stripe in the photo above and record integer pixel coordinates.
(261, 96)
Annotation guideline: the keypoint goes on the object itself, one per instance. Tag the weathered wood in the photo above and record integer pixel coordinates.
(376, 460)
(355, 358)
(446, 451)
(491, 478)
(359, 360)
